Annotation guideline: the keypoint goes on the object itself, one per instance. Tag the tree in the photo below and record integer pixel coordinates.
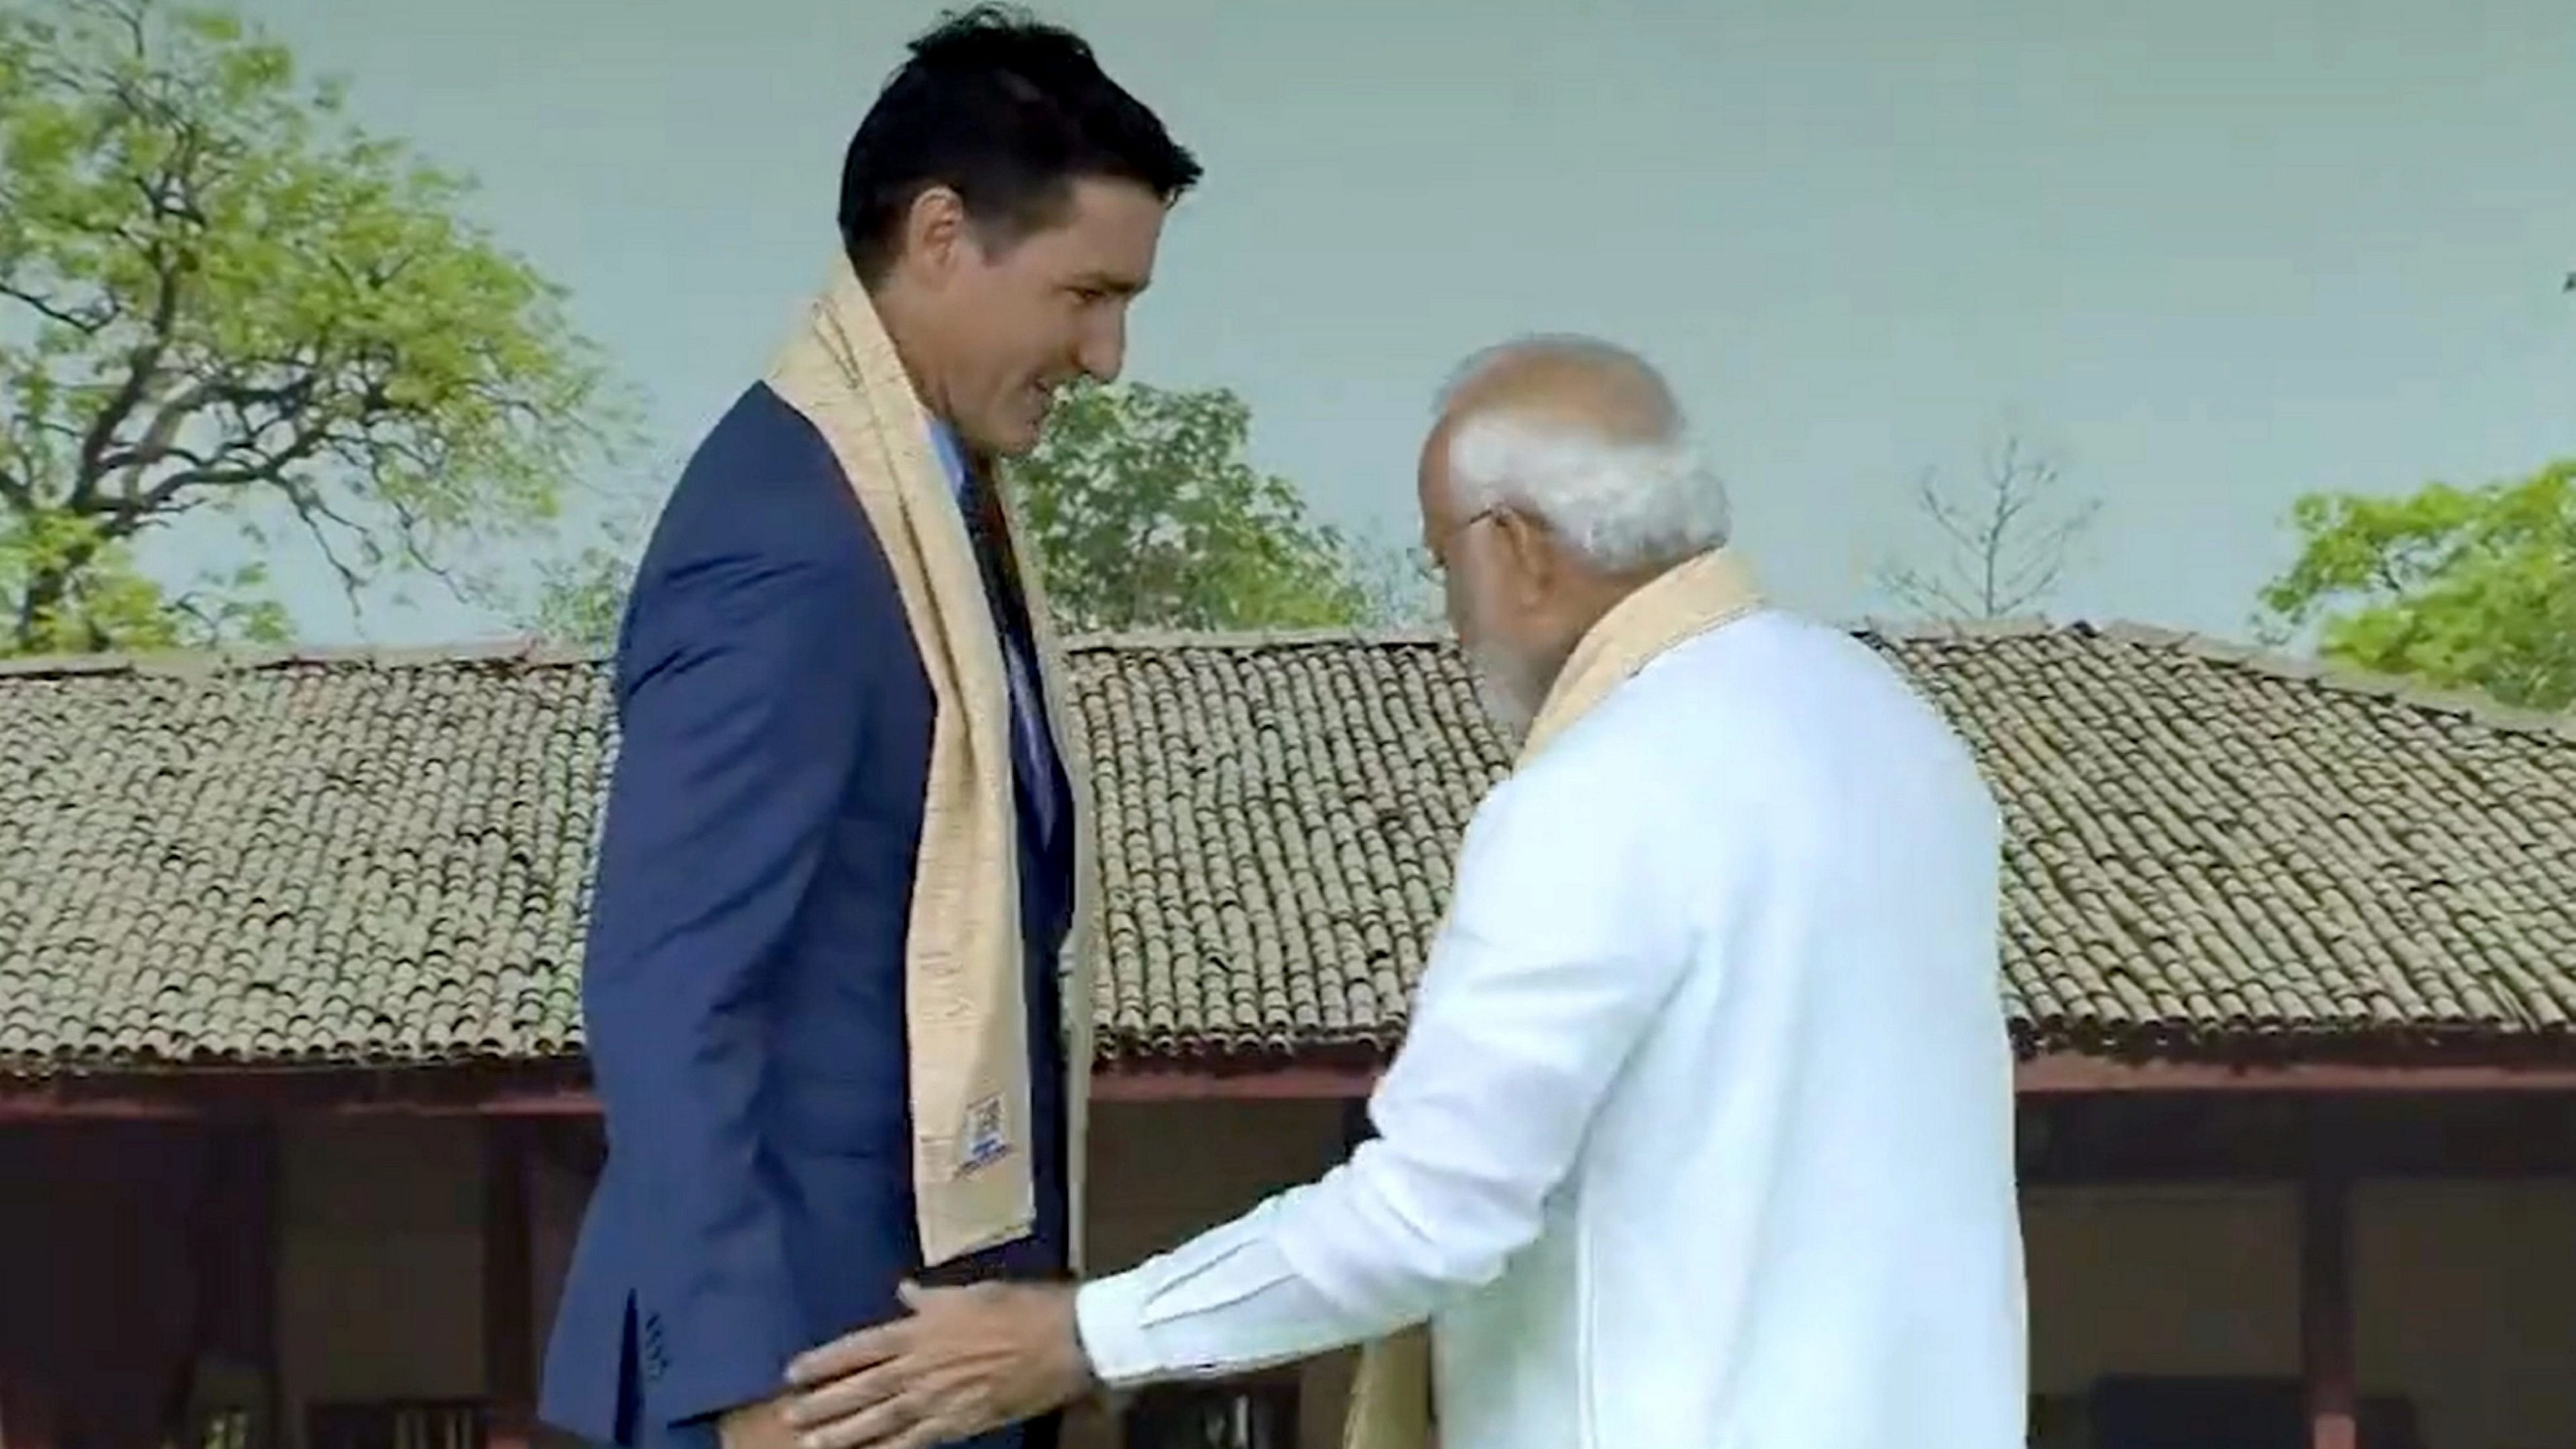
(2005, 542)
(1146, 514)
(1143, 514)
(574, 592)
(220, 301)
(580, 600)
(1400, 586)
(2463, 588)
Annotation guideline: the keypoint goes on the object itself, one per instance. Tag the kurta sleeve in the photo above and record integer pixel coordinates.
(1553, 961)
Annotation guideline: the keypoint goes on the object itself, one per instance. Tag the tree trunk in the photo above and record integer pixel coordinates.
(47, 591)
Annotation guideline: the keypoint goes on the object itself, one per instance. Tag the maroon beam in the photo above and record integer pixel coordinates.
(549, 1090)
(2070, 1073)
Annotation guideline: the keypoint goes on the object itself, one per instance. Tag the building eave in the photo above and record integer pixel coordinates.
(559, 1088)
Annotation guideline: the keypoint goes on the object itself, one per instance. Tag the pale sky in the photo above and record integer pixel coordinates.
(2211, 253)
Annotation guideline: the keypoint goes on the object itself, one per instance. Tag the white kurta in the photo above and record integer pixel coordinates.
(1702, 1131)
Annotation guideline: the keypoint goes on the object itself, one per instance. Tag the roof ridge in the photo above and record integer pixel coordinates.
(2476, 707)
(517, 649)
(2008, 626)
(2472, 705)
(1248, 639)
(530, 651)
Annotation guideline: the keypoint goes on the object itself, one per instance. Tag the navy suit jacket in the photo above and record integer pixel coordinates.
(743, 991)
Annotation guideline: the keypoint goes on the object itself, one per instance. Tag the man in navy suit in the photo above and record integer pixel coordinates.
(744, 991)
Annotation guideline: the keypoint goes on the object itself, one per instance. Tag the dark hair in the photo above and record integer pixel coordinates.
(1008, 112)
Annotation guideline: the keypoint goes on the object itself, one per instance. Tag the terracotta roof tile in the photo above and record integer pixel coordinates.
(383, 859)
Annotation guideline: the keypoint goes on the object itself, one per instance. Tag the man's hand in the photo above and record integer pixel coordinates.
(968, 1360)
(757, 1426)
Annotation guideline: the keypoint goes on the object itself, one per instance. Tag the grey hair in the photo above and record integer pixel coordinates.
(1621, 506)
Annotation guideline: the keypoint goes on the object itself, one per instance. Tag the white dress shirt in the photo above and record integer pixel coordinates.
(1702, 1130)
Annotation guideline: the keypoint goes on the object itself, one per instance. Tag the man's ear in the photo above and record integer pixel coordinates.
(1532, 551)
(934, 230)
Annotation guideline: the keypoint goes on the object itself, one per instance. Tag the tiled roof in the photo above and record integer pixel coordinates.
(382, 858)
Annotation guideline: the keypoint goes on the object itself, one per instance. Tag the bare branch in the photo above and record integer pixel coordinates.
(277, 467)
(2005, 552)
(160, 440)
(88, 323)
(142, 370)
(408, 527)
(186, 604)
(312, 510)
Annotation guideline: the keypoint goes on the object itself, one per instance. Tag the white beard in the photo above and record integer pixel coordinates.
(1509, 689)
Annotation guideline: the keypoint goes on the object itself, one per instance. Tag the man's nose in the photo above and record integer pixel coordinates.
(1102, 350)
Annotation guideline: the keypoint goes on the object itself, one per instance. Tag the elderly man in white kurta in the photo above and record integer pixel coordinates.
(1702, 1130)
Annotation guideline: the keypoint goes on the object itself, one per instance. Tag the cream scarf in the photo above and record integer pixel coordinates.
(966, 1005)
(1391, 1403)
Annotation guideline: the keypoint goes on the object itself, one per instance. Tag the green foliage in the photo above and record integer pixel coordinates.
(1399, 587)
(218, 299)
(1143, 514)
(2464, 588)
(1146, 514)
(579, 597)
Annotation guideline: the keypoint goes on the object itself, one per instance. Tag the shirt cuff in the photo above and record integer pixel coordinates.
(1109, 1318)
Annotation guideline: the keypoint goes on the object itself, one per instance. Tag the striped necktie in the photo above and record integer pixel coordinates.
(1029, 737)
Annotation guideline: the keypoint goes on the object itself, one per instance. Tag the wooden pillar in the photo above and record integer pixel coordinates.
(263, 1253)
(233, 1355)
(2325, 1303)
(270, 1282)
(509, 1297)
(28, 1416)
(26, 1410)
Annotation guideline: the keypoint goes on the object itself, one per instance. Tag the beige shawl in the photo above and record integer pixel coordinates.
(965, 1001)
(1391, 1399)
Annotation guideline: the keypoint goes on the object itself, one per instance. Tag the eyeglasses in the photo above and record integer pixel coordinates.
(1437, 548)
